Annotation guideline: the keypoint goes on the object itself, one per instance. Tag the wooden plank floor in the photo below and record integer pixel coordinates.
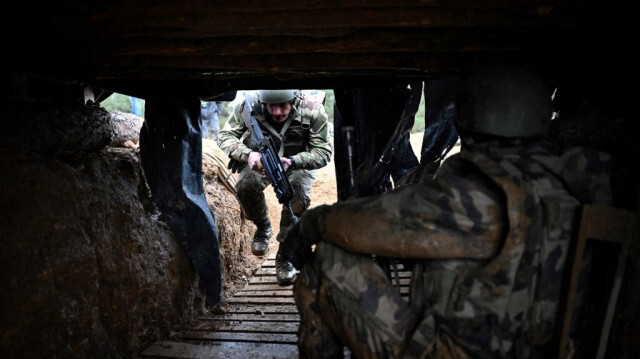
(262, 322)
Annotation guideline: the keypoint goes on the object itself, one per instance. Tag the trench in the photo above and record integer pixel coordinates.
(261, 322)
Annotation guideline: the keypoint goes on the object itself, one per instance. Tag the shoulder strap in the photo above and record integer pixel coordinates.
(306, 114)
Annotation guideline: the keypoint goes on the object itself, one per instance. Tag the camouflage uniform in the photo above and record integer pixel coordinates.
(494, 294)
(304, 138)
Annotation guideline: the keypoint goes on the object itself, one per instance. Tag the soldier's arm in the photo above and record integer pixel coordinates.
(319, 153)
(416, 221)
(229, 137)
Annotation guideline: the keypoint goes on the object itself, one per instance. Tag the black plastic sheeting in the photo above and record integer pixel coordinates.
(440, 133)
(374, 114)
(381, 119)
(171, 152)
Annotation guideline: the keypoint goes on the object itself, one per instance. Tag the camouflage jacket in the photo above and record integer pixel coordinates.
(505, 306)
(304, 136)
(510, 212)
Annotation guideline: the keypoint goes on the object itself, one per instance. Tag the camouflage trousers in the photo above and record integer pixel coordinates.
(347, 295)
(250, 191)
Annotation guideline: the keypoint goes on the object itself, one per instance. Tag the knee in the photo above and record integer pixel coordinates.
(247, 187)
(299, 206)
(302, 199)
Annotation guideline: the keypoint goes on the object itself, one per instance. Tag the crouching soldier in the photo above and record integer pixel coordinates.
(300, 133)
(487, 239)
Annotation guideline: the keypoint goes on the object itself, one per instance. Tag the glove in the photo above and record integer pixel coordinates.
(296, 247)
(235, 166)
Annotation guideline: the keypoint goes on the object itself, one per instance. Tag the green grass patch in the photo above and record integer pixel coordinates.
(418, 125)
(119, 102)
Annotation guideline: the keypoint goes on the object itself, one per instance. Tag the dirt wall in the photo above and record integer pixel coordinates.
(88, 268)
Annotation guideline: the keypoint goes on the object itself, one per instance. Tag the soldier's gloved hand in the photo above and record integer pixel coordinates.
(235, 166)
(296, 247)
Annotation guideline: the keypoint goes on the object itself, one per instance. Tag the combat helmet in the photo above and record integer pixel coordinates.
(276, 96)
(504, 101)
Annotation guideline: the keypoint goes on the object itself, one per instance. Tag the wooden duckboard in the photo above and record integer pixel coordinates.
(262, 322)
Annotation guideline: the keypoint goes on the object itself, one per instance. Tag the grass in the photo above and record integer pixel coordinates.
(119, 102)
(418, 125)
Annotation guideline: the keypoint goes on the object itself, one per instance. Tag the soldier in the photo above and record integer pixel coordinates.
(299, 130)
(209, 115)
(487, 241)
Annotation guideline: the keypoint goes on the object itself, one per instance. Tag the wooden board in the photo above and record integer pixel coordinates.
(262, 322)
(173, 349)
(150, 47)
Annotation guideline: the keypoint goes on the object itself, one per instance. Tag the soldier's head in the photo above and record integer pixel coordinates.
(503, 101)
(277, 102)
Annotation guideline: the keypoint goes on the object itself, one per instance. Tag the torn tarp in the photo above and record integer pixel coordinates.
(171, 151)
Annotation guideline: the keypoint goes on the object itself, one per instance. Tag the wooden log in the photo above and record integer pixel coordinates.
(172, 349)
(242, 337)
(245, 326)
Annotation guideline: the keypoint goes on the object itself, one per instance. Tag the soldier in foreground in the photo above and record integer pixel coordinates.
(300, 133)
(487, 241)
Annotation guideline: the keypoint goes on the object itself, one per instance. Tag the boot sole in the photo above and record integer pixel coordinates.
(287, 283)
(259, 254)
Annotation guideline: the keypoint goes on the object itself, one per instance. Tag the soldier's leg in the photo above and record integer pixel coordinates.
(171, 152)
(215, 127)
(315, 338)
(360, 305)
(301, 182)
(204, 127)
(250, 191)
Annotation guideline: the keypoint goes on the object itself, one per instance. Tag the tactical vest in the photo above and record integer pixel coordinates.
(293, 138)
(506, 306)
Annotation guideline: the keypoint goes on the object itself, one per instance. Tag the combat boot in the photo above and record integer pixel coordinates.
(285, 272)
(260, 244)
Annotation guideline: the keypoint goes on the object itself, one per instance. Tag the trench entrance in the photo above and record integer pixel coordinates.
(262, 319)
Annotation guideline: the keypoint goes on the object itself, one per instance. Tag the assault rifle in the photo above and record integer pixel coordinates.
(270, 158)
